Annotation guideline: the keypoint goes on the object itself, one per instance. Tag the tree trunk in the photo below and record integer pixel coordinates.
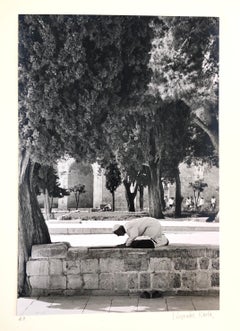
(32, 228)
(212, 135)
(155, 194)
(141, 191)
(178, 196)
(113, 201)
(47, 205)
(130, 196)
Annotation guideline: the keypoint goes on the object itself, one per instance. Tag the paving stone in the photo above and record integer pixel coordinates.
(180, 303)
(124, 304)
(152, 305)
(205, 303)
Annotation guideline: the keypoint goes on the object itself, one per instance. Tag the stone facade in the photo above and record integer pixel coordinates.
(72, 173)
(61, 269)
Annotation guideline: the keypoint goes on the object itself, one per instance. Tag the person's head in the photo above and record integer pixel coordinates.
(119, 230)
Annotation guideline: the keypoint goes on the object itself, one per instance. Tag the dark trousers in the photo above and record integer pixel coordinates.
(144, 243)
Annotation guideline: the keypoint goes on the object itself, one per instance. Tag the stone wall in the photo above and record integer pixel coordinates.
(61, 269)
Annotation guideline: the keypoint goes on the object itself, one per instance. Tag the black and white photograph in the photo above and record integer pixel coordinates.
(118, 164)
(119, 172)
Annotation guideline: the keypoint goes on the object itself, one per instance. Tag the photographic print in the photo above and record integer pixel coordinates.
(118, 164)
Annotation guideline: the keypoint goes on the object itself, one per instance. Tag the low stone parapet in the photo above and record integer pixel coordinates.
(184, 270)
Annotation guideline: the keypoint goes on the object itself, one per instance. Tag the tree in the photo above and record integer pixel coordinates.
(77, 190)
(198, 187)
(46, 182)
(113, 179)
(73, 72)
(184, 60)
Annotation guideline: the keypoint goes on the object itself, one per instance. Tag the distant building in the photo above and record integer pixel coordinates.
(72, 173)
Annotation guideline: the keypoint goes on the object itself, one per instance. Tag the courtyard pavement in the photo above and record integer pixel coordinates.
(99, 233)
(113, 304)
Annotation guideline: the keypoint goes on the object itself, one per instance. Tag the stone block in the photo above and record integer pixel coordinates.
(189, 280)
(202, 280)
(185, 264)
(40, 282)
(133, 280)
(90, 281)
(136, 262)
(111, 265)
(106, 281)
(204, 263)
(121, 281)
(212, 252)
(159, 264)
(74, 282)
(174, 280)
(215, 279)
(160, 280)
(74, 253)
(58, 250)
(145, 282)
(89, 266)
(55, 267)
(71, 267)
(215, 264)
(37, 267)
(58, 282)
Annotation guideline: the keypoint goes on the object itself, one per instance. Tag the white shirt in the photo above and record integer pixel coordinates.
(145, 227)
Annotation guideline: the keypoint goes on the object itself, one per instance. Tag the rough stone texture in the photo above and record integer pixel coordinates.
(136, 263)
(58, 250)
(37, 267)
(89, 266)
(160, 281)
(57, 282)
(174, 270)
(145, 282)
(133, 280)
(215, 279)
(55, 267)
(40, 282)
(71, 267)
(202, 280)
(215, 264)
(204, 263)
(121, 281)
(157, 264)
(111, 265)
(90, 281)
(174, 280)
(74, 282)
(106, 281)
(185, 264)
(189, 280)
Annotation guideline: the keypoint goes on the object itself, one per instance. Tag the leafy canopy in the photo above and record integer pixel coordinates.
(73, 72)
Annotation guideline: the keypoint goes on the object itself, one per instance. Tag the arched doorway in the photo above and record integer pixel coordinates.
(81, 173)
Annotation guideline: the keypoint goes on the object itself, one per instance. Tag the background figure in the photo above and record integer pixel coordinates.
(201, 203)
(171, 202)
(213, 203)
